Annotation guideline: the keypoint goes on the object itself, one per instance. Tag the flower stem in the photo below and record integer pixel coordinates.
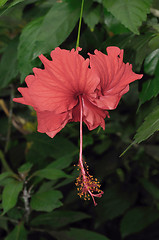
(81, 136)
(79, 26)
(87, 186)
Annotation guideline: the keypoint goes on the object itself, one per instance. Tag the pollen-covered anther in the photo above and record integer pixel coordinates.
(88, 186)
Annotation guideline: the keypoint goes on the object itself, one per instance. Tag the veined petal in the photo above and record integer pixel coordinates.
(29, 80)
(109, 101)
(114, 75)
(52, 122)
(26, 99)
(54, 132)
(93, 116)
(57, 86)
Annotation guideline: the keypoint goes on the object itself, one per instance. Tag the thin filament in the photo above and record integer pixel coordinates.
(81, 134)
(86, 184)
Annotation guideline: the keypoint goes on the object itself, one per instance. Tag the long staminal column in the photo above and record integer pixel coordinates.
(86, 185)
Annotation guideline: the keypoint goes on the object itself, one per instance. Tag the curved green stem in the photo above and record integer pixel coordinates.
(7, 167)
(79, 26)
(4, 163)
(9, 119)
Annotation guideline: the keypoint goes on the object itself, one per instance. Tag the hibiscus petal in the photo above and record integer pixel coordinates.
(26, 99)
(75, 114)
(93, 116)
(111, 101)
(29, 80)
(57, 86)
(114, 75)
(53, 133)
(19, 100)
(50, 122)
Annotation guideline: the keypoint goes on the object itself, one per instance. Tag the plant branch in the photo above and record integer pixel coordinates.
(26, 197)
(17, 122)
(7, 167)
(9, 120)
(4, 163)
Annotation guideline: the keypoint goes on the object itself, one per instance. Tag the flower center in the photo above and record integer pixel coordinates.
(78, 95)
(86, 185)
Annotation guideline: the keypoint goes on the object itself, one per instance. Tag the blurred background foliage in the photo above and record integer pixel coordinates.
(38, 195)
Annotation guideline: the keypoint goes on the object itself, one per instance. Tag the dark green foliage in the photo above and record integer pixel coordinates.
(10, 194)
(46, 200)
(130, 13)
(150, 125)
(37, 191)
(137, 219)
(58, 219)
(18, 233)
(57, 24)
(9, 67)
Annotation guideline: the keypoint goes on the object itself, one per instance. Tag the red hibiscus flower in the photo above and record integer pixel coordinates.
(68, 90)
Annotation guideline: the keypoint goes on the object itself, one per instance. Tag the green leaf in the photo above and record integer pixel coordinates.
(67, 181)
(151, 62)
(78, 234)
(25, 168)
(87, 140)
(49, 148)
(115, 196)
(99, 1)
(4, 223)
(150, 187)
(46, 33)
(150, 125)
(156, 80)
(58, 219)
(10, 194)
(51, 174)
(62, 162)
(18, 233)
(26, 46)
(16, 213)
(154, 43)
(57, 25)
(92, 17)
(15, 2)
(4, 175)
(12, 4)
(2, 2)
(130, 13)
(113, 24)
(46, 201)
(137, 219)
(150, 88)
(8, 64)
